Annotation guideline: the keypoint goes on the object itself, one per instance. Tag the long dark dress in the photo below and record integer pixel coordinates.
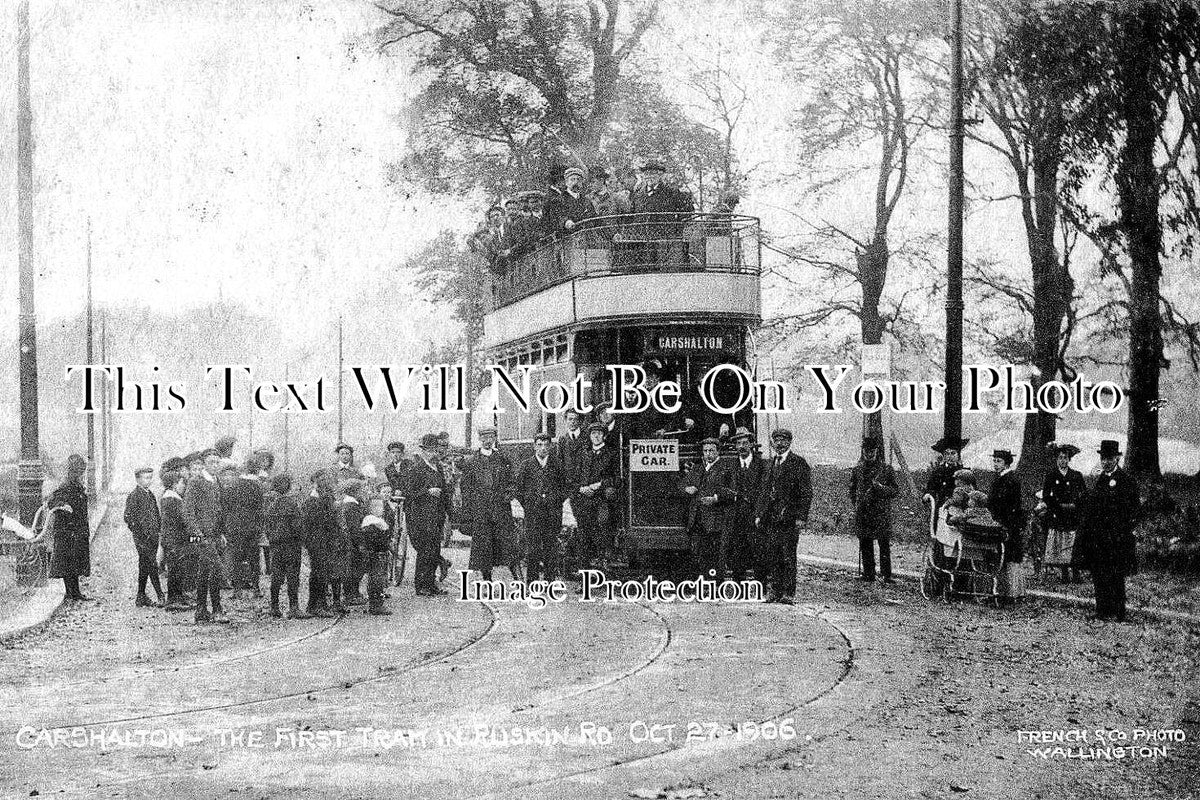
(71, 557)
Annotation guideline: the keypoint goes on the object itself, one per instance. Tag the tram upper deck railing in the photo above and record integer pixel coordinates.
(632, 243)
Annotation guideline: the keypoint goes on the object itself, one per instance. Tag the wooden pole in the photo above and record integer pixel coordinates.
(952, 424)
(29, 468)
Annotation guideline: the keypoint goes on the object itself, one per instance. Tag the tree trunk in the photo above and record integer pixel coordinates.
(1138, 195)
(872, 272)
(1052, 289)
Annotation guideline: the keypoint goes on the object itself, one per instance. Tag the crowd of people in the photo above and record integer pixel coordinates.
(216, 526)
(574, 199)
(1072, 527)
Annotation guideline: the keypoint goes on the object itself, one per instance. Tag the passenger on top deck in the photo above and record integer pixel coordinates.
(567, 208)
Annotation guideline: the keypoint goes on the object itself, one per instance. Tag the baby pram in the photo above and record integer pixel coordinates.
(965, 559)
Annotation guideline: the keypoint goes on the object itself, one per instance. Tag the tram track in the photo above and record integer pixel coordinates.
(470, 643)
(849, 664)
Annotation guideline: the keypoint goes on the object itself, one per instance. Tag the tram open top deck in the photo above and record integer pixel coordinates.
(632, 267)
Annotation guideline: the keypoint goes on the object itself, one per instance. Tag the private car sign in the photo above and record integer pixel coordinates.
(653, 455)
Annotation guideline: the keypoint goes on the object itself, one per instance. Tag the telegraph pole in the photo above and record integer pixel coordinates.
(105, 427)
(952, 425)
(29, 468)
(340, 370)
(91, 418)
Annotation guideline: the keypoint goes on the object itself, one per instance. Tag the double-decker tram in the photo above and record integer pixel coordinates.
(674, 294)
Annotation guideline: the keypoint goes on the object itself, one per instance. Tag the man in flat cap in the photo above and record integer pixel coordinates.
(487, 485)
(782, 513)
(1109, 549)
(872, 487)
(709, 485)
(425, 508)
(594, 488)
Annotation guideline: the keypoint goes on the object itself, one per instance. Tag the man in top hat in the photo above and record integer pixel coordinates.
(487, 494)
(540, 489)
(940, 484)
(1109, 514)
(343, 466)
(425, 508)
(1062, 493)
(709, 485)
(782, 512)
(744, 549)
(593, 488)
(567, 209)
(872, 487)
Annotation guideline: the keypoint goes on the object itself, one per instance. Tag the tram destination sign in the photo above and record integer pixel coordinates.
(688, 341)
(653, 455)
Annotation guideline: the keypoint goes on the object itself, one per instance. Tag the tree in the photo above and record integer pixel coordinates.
(1140, 140)
(1026, 63)
(866, 107)
(512, 86)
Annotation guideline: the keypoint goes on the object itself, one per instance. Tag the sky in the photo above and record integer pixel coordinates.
(239, 151)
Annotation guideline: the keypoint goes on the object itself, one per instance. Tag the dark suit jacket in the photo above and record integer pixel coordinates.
(747, 484)
(1109, 515)
(172, 528)
(397, 475)
(203, 513)
(787, 492)
(568, 452)
(595, 466)
(664, 199)
(541, 490)
(1059, 490)
(717, 481)
(563, 207)
(142, 517)
(487, 488)
(1004, 501)
(425, 513)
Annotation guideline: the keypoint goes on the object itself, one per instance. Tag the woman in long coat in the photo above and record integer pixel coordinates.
(1062, 492)
(71, 558)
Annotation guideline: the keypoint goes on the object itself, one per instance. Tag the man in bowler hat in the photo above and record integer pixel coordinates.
(872, 487)
(1109, 549)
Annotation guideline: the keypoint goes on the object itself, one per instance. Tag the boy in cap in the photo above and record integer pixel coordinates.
(285, 533)
(1109, 548)
(872, 487)
(144, 521)
(782, 513)
(318, 520)
(180, 555)
(204, 518)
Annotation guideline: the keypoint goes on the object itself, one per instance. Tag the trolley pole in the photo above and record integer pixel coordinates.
(29, 467)
(340, 438)
(952, 424)
(91, 418)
